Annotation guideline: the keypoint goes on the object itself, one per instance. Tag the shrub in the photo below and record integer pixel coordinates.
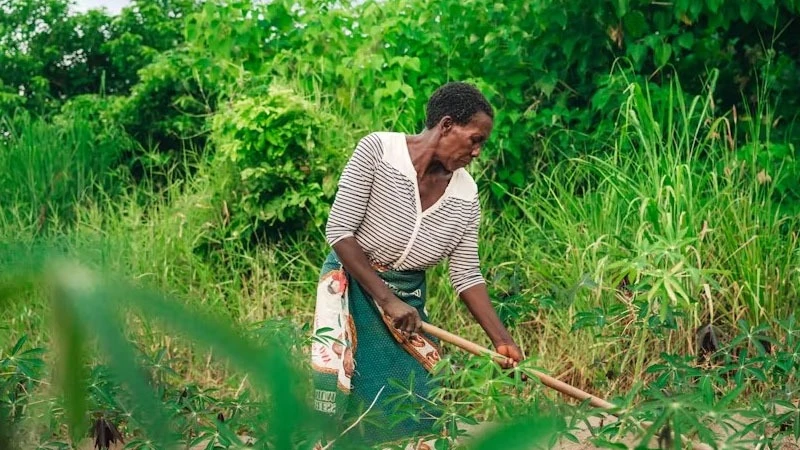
(168, 108)
(96, 111)
(279, 168)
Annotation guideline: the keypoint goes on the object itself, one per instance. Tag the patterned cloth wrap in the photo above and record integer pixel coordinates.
(368, 351)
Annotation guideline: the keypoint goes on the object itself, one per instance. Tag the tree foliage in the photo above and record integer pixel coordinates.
(556, 71)
(50, 54)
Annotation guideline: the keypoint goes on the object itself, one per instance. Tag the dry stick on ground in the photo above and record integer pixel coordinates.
(551, 382)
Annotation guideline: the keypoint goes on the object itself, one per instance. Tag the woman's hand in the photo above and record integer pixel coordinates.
(513, 355)
(405, 317)
(511, 352)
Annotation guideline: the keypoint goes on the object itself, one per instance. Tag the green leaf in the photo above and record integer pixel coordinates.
(655, 368)
(747, 9)
(29, 362)
(637, 52)
(635, 24)
(663, 52)
(681, 6)
(621, 7)
(378, 95)
(393, 87)
(725, 401)
(600, 99)
(547, 83)
(713, 5)
(517, 178)
(766, 4)
(18, 346)
(560, 17)
(685, 40)
(498, 190)
(407, 90)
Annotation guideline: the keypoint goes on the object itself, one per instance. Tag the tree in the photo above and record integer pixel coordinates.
(50, 54)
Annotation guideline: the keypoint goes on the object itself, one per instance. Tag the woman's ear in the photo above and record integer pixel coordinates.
(445, 125)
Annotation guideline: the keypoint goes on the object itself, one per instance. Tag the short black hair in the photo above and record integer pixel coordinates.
(458, 100)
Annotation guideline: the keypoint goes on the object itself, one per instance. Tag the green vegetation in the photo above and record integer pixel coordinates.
(165, 176)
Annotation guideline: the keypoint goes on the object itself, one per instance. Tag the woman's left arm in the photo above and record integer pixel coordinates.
(466, 277)
(477, 300)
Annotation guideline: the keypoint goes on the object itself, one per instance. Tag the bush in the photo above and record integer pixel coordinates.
(279, 168)
(97, 112)
(776, 167)
(168, 108)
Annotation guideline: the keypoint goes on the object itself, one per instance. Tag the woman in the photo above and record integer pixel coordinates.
(404, 204)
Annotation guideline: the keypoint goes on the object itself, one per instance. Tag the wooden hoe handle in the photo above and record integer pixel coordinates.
(551, 382)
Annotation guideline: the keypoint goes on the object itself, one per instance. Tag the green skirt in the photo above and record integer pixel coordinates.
(358, 358)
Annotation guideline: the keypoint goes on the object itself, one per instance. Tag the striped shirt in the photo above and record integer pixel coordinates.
(378, 203)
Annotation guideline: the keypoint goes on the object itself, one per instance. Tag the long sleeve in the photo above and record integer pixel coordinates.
(353, 192)
(464, 261)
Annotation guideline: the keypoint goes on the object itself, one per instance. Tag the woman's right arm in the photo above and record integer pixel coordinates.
(356, 263)
(347, 212)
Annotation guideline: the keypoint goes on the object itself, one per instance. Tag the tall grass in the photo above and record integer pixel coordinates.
(47, 169)
(691, 230)
(168, 239)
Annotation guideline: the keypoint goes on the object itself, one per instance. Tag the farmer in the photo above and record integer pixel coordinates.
(404, 204)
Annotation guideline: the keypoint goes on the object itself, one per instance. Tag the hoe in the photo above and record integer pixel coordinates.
(548, 381)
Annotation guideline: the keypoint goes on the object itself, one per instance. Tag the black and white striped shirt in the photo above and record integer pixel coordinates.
(378, 203)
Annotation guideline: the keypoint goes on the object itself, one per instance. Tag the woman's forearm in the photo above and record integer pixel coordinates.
(357, 265)
(477, 301)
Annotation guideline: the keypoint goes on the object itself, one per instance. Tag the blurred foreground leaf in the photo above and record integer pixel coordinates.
(90, 307)
(522, 433)
(70, 343)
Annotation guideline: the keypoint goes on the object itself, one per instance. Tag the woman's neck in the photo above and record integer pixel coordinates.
(422, 150)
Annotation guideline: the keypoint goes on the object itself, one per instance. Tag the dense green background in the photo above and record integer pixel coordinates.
(556, 72)
(642, 181)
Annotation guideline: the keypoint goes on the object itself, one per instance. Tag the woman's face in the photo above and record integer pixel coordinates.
(460, 144)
